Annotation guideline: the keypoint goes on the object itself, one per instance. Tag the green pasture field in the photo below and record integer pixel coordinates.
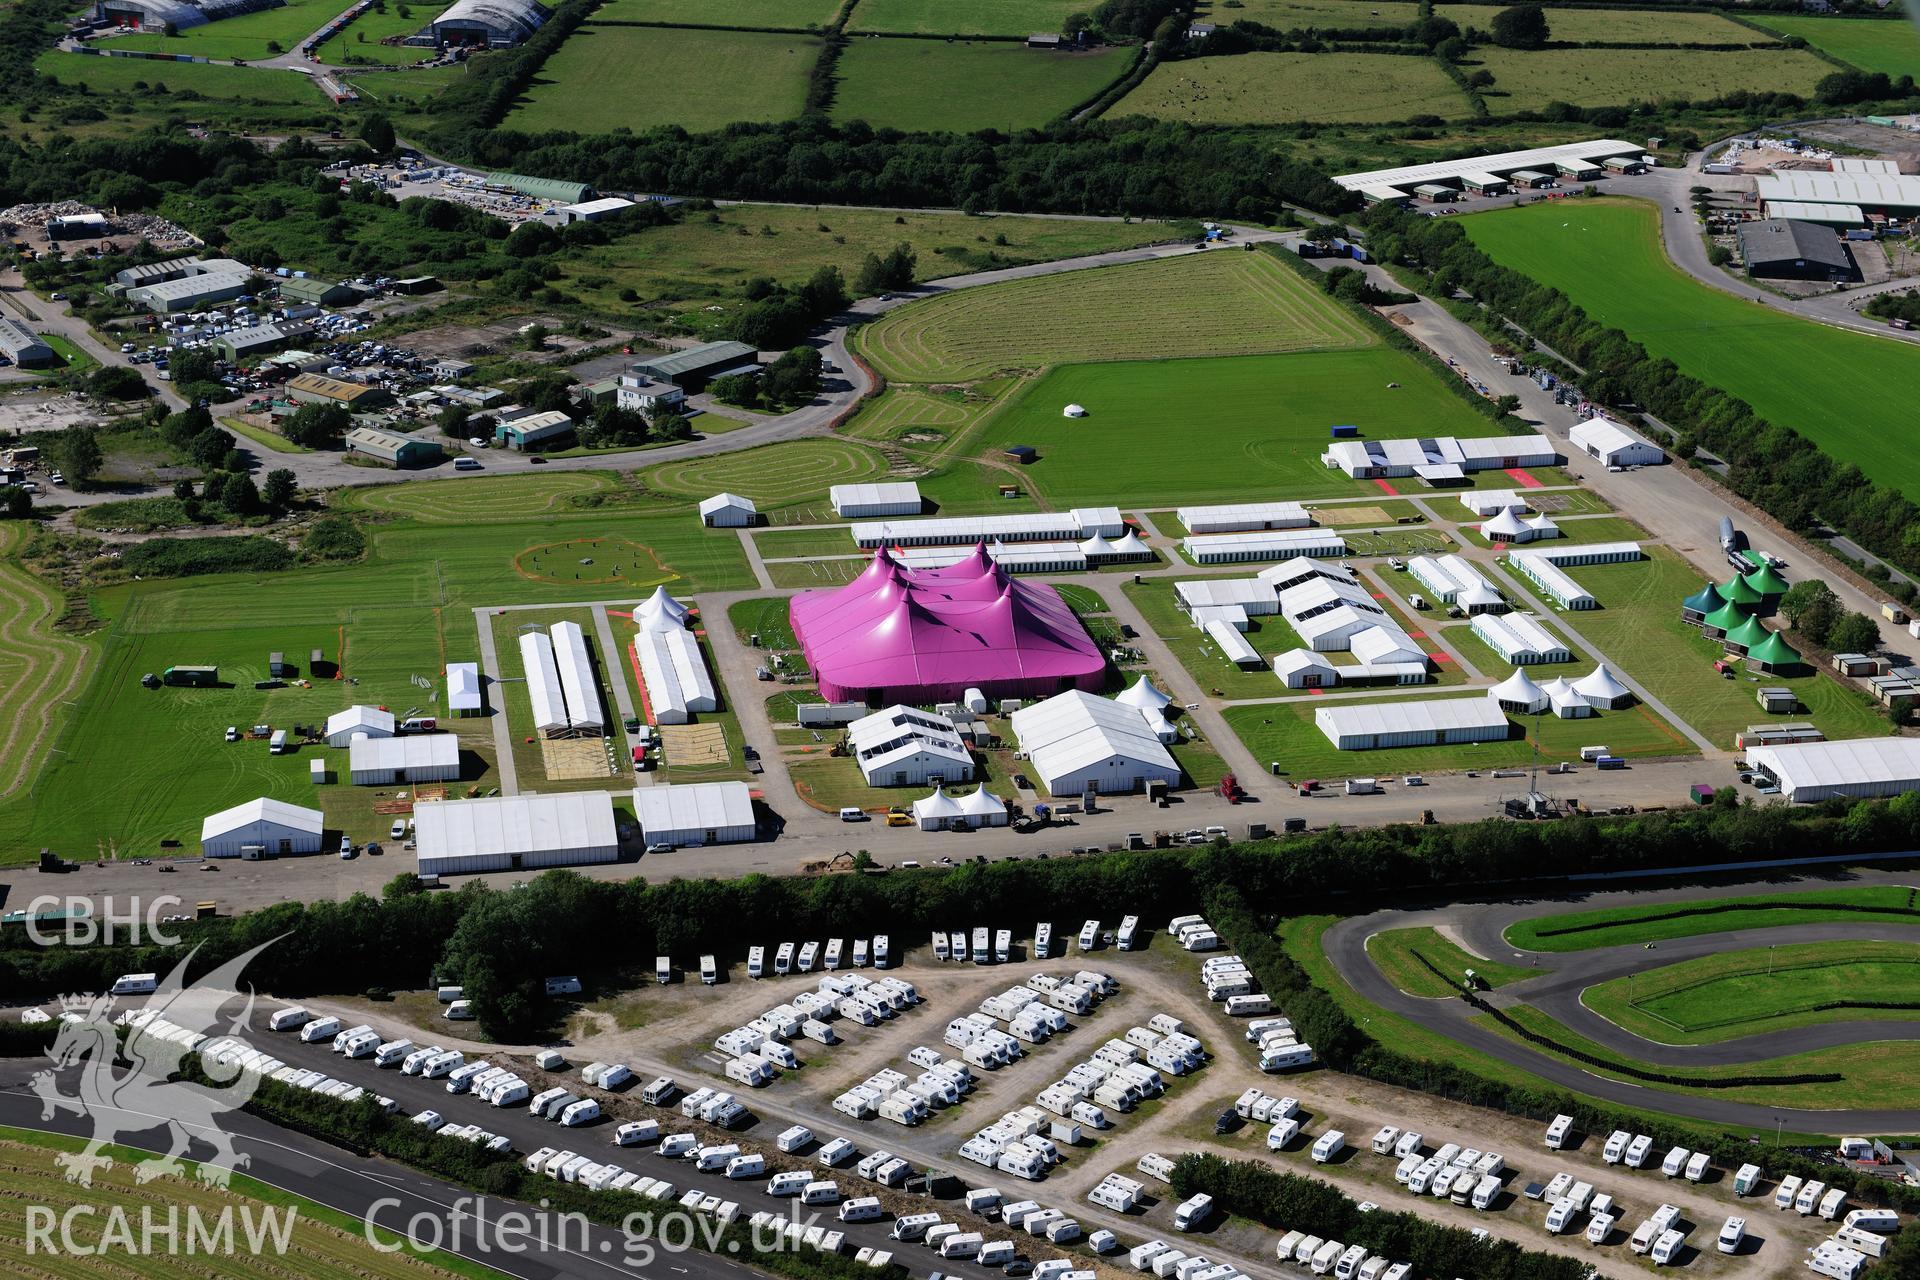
(1660, 921)
(783, 14)
(1638, 625)
(925, 417)
(974, 18)
(704, 260)
(1256, 424)
(1744, 993)
(1620, 26)
(774, 476)
(1285, 731)
(1874, 1074)
(1528, 81)
(766, 617)
(481, 500)
(245, 37)
(963, 487)
(935, 86)
(1890, 45)
(1284, 15)
(1222, 302)
(1283, 88)
(360, 42)
(41, 667)
(1397, 954)
(122, 75)
(719, 78)
(405, 93)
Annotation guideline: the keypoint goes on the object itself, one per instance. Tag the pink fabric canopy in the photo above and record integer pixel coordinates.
(929, 635)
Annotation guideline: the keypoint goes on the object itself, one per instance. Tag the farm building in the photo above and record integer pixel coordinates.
(928, 635)
(415, 757)
(1519, 694)
(464, 693)
(1265, 544)
(1043, 526)
(359, 721)
(392, 448)
(1519, 639)
(272, 826)
(691, 814)
(1609, 443)
(492, 24)
(1480, 171)
(1452, 580)
(1440, 460)
(23, 346)
(728, 511)
(515, 833)
(1492, 502)
(1431, 722)
(594, 210)
(315, 388)
(533, 429)
(694, 367)
(1857, 768)
(903, 747)
(318, 293)
(1251, 595)
(975, 809)
(1077, 742)
(1300, 569)
(675, 674)
(862, 501)
(646, 395)
(1239, 517)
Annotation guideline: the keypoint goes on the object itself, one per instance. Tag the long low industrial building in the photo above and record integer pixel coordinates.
(577, 682)
(414, 757)
(1858, 768)
(1039, 526)
(543, 684)
(1520, 639)
(864, 501)
(1425, 723)
(1545, 568)
(688, 815)
(515, 833)
(1569, 157)
(1253, 597)
(1263, 544)
(1014, 557)
(1882, 192)
(1611, 444)
(675, 673)
(23, 346)
(1454, 581)
(1239, 517)
(1439, 459)
(273, 828)
(1077, 742)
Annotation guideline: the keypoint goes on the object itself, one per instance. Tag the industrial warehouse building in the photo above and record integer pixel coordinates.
(318, 293)
(515, 833)
(465, 696)
(1789, 249)
(1535, 166)
(153, 15)
(391, 447)
(1240, 517)
(864, 501)
(358, 721)
(273, 827)
(1041, 526)
(1433, 722)
(691, 814)
(594, 210)
(533, 429)
(243, 345)
(1262, 544)
(905, 747)
(489, 24)
(694, 367)
(561, 685)
(1882, 190)
(728, 511)
(557, 190)
(1859, 768)
(1609, 443)
(191, 284)
(415, 757)
(316, 388)
(23, 346)
(1077, 742)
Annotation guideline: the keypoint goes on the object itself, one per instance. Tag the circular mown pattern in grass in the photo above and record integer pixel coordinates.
(593, 562)
(480, 500)
(774, 476)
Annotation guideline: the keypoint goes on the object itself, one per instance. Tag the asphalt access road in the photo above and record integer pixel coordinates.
(1480, 926)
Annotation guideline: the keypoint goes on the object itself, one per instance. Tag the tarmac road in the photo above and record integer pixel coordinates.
(1480, 926)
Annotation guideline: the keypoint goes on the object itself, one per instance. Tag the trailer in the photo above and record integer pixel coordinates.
(1089, 935)
(1557, 1132)
(1192, 1212)
(756, 961)
(1128, 936)
(1002, 945)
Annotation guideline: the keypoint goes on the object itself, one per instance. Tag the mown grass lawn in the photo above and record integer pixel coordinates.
(719, 78)
(1743, 993)
(1403, 955)
(937, 86)
(1888, 45)
(1659, 921)
(124, 75)
(1841, 390)
(244, 37)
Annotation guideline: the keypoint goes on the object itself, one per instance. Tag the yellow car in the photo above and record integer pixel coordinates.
(899, 820)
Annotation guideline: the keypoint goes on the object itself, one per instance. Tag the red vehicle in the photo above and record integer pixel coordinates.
(639, 756)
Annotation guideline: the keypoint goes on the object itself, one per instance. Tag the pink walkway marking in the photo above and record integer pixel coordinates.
(1523, 479)
(1387, 488)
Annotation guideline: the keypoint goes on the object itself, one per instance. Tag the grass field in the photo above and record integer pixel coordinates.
(1218, 303)
(1284, 15)
(1638, 625)
(1599, 529)
(787, 14)
(774, 476)
(123, 75)
(1619, 26)
(719, 78)
(360, 42)
(1399, 955)
(1890, 46)
(932, 86)
(41, 668)
(1743, 993)
(1281, 88)
(245, 37)
(1257, 424)
(703, 260)
(975, 18)
(1285, 731)
(322, 1243)
(483, 500)
(1620, 77)
(1657, 922)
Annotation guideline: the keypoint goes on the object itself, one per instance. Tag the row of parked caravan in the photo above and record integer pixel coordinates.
(1341, 1261)
(1162, 1259)
(952, 1243)
(805, 957)
(758, 1051)
(1024, 1143)
(892, 1095)
(1232, 985)
(1856, 1243)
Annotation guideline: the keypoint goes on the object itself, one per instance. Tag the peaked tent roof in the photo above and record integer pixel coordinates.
(1543, 523)
(1130, 544)
(1766, 581)
(1601, 683)
(980, 804)
(937, 805)
(1519, 687)
(1736, 591)
(1142, 694)
(1726, 617)
(1503, 524)
(1705, 600)
(1560, 689)
(1774, 651)
(1096, 546)
(1478, 594)
(1748, 633)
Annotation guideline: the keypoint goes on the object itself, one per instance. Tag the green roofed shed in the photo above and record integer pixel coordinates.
(542, 188)
(1773, 653)
(1766, 581)
(1748, 634)
(1725, 618)
(1736, 591)
(1702, 602)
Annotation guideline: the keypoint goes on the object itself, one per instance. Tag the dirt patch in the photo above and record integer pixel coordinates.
(689, 745)
(1344, 515)
(572, 759)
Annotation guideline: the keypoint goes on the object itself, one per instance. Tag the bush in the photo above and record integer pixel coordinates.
(189, 557)
(334, 538)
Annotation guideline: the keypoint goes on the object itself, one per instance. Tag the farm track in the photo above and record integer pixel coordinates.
(39, 667)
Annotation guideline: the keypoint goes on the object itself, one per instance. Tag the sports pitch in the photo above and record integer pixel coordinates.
(1887, 45)
(1222, 302)
(932, 86)
(1845, 391)
(1282, 88)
